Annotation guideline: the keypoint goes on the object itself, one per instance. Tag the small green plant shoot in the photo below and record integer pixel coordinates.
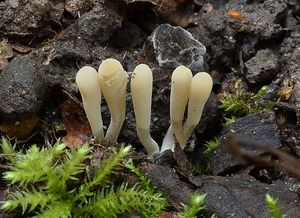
(195, 205)
(272, 204)
(212, 145)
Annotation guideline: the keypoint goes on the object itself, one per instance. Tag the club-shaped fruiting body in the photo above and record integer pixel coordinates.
(113, 81)
(180, 91)
(201, 87)
(87, 82)
(141, 92)
(185, 88)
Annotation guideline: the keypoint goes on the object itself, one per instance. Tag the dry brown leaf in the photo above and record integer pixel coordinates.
(20, 129)
(167, 215)
(76, 124)
(285, 93)
(21, 48)
(6, 50)
(6, 53)
(3, 63)
(236, 14)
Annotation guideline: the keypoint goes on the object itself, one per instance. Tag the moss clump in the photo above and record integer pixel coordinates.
(55, 182)
(212, 145)
(240, 103)
(194, 206)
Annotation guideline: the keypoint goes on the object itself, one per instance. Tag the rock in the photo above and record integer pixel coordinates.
(290, 57)
(14, 19)
(259, 127)
(227, 38)
(226, 196)
(245, 197)
(261, 19)
(262, 68)
(82, 43)
(167, 181)
(210, 119)
(174, 46)
(22, 86)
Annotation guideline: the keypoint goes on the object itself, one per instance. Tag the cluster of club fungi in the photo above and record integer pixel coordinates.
(111, 81)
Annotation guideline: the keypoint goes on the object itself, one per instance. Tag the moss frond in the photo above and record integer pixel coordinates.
(201, 170)
(28, 200)
(102, 173)
(273, 206)
(195, 205)
(31, 167)
(110, 202)
(6, 146)
(234, 104)
(56, 210)
(51, 170)
(144, 181)
(242, 103)
(212, 145)
(73, 163)
(229, 121)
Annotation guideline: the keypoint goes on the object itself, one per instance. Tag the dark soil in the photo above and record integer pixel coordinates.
(43, 43)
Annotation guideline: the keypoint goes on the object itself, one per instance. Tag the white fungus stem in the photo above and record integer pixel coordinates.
(201, 87)
(141, 92)
(87, 82)
(168, 141)
(113, 81)
(180, 91)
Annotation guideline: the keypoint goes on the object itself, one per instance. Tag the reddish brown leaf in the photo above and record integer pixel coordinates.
(3, 63)
(21, 48)
(236, 14)
(6, 51)
(167, 215)
(76, 124)
(20, 129)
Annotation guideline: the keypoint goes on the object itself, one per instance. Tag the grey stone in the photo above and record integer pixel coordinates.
(262, 68)
(226, 196)
(245, 196)
(14, 19)
(174, 46)
(22, 86)
(259, 127)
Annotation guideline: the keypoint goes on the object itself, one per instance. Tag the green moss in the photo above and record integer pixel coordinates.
(272, 204)
(201, 170)
(55, 182)
(212, 145)
(241, 103)
(194, 206)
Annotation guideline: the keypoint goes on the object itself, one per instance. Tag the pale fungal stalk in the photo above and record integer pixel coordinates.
(201, 87)
(141, 92)
(180, 91)
(168, 141)
(87, 82)
(113, 81)
(185, 88)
